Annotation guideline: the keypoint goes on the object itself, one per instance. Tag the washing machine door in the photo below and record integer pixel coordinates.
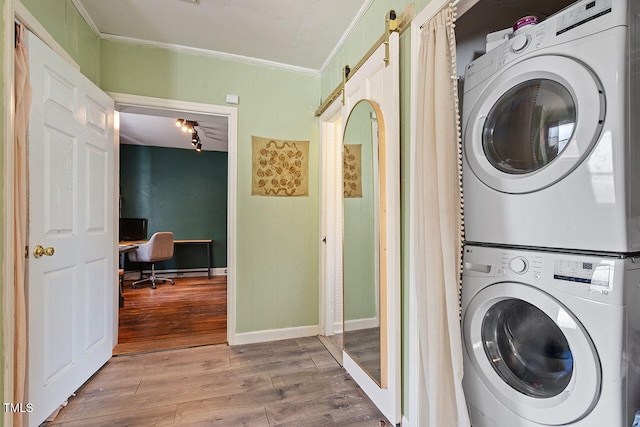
(533, 124)
(531, 353)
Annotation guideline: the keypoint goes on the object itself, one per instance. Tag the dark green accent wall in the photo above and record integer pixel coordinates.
(181, 191)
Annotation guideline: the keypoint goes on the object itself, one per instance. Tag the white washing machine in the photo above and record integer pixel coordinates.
(550, 133)
(550, 338)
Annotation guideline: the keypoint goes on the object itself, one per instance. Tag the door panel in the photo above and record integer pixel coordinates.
(71, 289)
(377, 80)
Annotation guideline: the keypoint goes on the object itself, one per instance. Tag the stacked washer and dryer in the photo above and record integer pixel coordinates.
(551, 177)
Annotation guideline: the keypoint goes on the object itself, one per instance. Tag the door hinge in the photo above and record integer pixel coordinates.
(324, 239)
(26, 251)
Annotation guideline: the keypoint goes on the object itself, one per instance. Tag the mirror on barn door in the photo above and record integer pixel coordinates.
(361, 242)
(371, 233)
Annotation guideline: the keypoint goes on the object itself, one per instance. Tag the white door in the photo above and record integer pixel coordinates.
(71, 287)
(377, 80)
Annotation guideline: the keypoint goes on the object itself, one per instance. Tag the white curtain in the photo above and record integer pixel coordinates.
(436, 224)
(22, 107)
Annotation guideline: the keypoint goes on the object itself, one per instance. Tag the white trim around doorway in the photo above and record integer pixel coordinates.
(125, 100)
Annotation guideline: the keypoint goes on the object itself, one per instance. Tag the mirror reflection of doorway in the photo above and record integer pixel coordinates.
(175, 188)
(331, 226)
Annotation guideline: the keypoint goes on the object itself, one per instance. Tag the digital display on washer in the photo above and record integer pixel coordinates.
(597, 274)
(574, 16)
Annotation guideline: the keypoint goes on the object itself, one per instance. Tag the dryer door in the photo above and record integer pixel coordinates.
(532, 353)
(533, 124)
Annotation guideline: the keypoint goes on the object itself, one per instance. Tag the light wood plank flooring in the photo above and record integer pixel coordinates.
(284, 383)
(190, 313)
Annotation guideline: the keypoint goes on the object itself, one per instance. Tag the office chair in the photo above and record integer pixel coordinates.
(158, 248)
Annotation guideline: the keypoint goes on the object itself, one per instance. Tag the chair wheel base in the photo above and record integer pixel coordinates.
(153, 280)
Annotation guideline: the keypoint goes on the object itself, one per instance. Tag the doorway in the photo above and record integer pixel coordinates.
(187, 281)
(331, 230)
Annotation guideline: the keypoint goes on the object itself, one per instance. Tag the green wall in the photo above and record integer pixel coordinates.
(277, 237)
(63, 21)
(178, 190)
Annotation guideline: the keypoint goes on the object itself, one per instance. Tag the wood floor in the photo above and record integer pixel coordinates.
(190, 313)
(285, 383)
(363, 345)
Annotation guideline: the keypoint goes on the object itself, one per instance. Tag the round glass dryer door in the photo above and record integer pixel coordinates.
(533, 124)
(531, 353)
(529, 126)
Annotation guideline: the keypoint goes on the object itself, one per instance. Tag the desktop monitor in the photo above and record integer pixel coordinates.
(133, 229)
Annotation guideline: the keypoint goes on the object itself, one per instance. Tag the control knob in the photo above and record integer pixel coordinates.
(520, 43)
(519, 265)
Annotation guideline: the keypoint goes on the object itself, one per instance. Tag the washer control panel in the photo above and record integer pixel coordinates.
(511, 264)
(519, 265)
(589, 276)
(594, 274)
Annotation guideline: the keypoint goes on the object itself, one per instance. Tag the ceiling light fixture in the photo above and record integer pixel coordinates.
(189, 126)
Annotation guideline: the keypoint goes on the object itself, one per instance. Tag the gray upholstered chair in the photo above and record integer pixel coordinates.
(158, 248)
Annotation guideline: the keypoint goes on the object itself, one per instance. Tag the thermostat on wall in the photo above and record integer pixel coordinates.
(233, 99)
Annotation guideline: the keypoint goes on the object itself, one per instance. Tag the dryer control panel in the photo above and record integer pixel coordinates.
(581, 19)
(581, 13)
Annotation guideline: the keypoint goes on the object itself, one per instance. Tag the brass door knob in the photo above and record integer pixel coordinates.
(39, 251)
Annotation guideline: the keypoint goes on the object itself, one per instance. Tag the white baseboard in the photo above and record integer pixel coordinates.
(276, 334)
(195, 272)
(356, 325)
(337, 327)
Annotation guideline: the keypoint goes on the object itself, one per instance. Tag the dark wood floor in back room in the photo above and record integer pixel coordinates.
(190, 313)
(284, 383)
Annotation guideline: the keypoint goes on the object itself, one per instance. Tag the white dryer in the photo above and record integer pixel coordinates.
(550, 133)
(550, 338)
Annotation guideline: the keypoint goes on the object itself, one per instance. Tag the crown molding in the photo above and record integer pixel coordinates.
(365, 7)
(87, 18)
(184, 49)
(211, 53)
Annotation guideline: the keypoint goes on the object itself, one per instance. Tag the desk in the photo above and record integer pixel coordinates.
(123, 249)
(207, 242)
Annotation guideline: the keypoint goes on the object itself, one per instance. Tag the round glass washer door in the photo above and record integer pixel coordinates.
(533, 124)
(527, 349)
(532, 354)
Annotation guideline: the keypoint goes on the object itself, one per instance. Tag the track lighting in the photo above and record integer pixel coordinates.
(189, 126)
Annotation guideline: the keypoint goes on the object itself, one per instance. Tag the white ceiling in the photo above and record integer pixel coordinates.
(157, 128)
(294, 34)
